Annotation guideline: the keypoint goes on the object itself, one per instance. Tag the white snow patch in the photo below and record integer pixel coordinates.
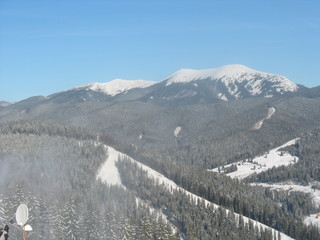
(274, 158)
(222, 97)
(255, 87)
(177, 130)
(188, 75)
(108, 172)
(313, 219)
(116, 86)
(271, 111)
(258, 125)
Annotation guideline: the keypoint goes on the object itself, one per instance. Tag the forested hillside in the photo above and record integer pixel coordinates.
(210, 134)
(52, 168)
(305, 170)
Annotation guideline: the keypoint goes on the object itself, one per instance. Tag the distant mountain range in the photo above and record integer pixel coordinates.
(187, 86)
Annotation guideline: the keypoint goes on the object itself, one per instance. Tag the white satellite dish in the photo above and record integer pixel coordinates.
(27, 228)
(22, 214)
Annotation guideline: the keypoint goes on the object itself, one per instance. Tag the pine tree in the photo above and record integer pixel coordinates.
(71, 220)
(90, 229)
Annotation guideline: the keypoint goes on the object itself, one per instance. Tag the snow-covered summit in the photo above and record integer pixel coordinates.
(115, 86)
(255, 81)
(188, 75)
(186, 86)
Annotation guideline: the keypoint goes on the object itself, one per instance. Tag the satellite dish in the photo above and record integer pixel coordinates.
(22, 214)
(27, 228)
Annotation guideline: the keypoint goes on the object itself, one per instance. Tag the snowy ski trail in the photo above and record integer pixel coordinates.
(109, 174)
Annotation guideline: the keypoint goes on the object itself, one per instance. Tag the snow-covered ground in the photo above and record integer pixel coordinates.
(222, 97)
(271, 111)
(109, 174)
(313, 219)
(158, 213)
(177, 130)
(116, 86)
(231, 74)
(258, 125)
(274, 158)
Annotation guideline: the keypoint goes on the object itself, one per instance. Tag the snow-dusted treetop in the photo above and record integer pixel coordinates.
(115, 86)
(230, 74)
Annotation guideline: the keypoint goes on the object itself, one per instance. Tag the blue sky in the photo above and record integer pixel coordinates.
(50, 46)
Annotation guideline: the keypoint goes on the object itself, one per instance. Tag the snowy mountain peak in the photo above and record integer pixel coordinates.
(228, 71)
(115, 86)
(237, 79)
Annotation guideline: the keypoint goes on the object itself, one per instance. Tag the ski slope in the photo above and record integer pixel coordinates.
(109, 174)
(274, 158)
(258, 125)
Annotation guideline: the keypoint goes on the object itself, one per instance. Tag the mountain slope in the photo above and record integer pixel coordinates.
(4, 103)
(97, 92)
(271, 159)
(116, 86)
(226, 83)
(230, 74)
(52, 169)
(186, 87)
(211, 134)
(109, 174)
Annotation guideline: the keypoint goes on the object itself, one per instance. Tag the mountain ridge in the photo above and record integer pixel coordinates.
(186, 86)
(115, 86)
